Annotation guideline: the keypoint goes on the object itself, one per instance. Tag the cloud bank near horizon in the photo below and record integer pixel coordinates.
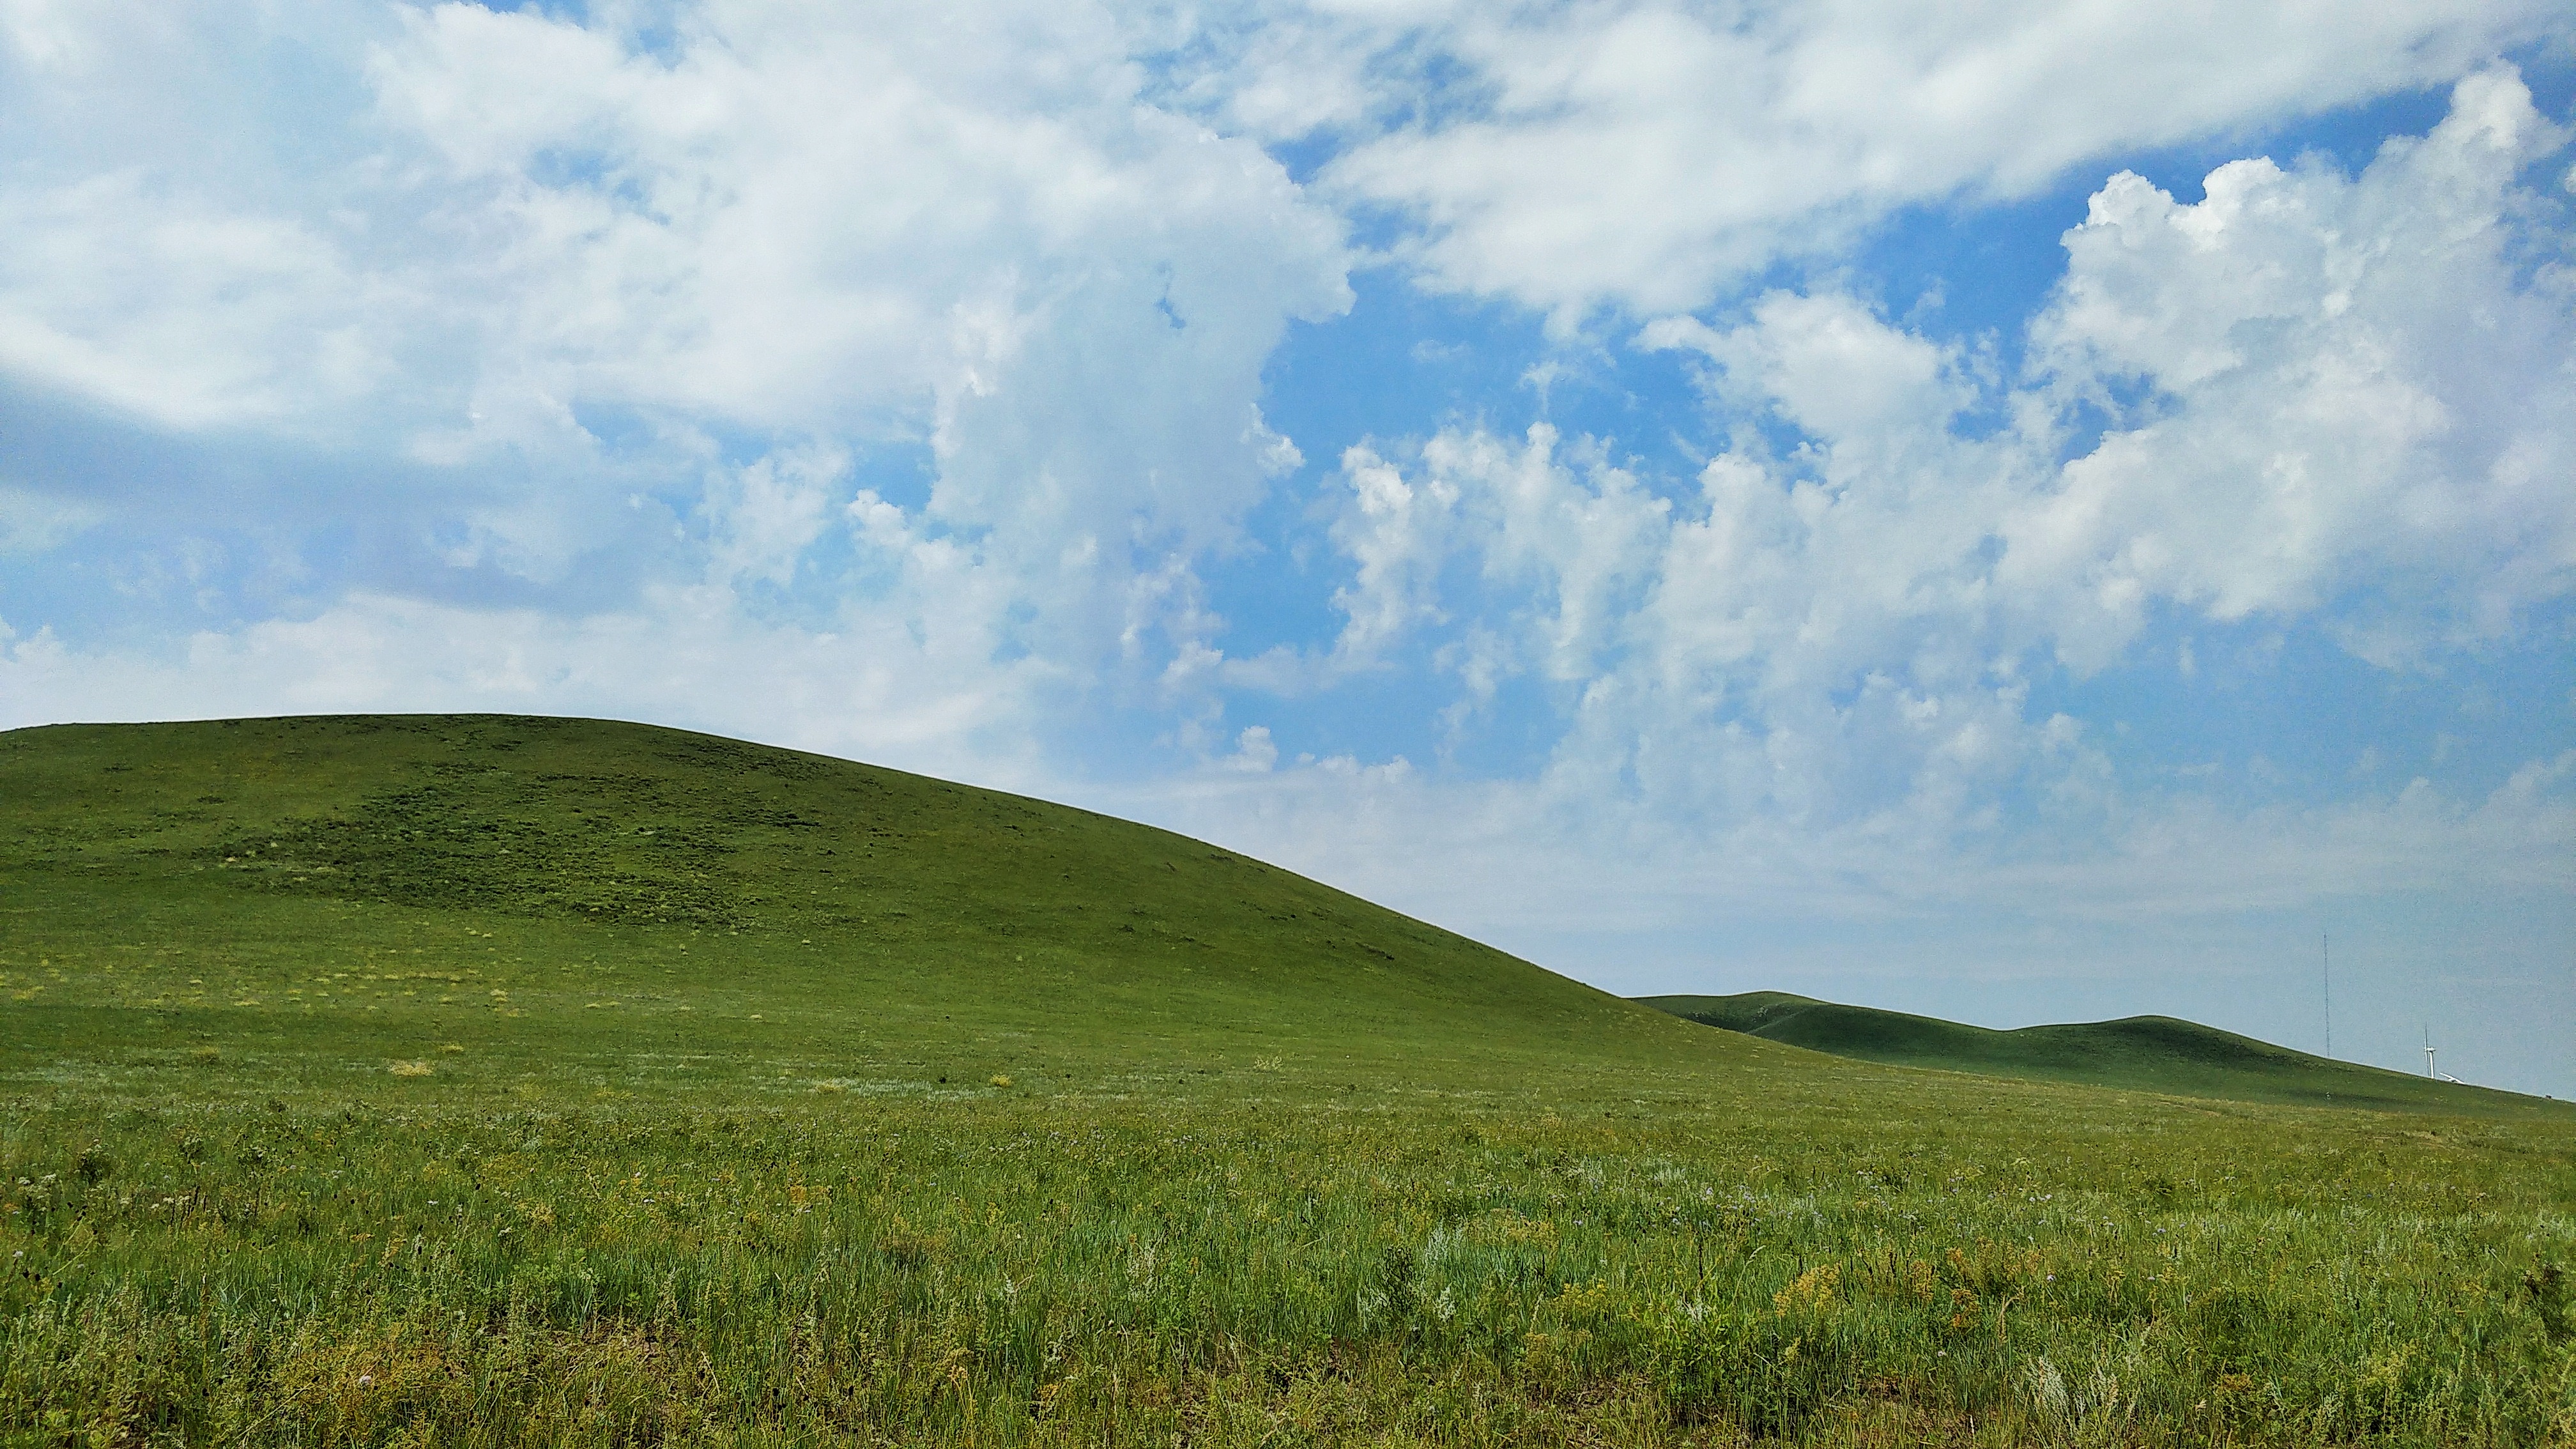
(1469, 455)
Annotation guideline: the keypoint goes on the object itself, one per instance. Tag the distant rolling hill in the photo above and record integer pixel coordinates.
(2138, 1053)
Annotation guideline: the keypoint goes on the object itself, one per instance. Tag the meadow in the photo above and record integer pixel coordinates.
(999, 1124)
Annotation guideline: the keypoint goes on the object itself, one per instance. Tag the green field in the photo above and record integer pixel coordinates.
(494, 1080)
(2139, 1053)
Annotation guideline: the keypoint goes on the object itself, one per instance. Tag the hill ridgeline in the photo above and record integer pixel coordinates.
(2138, 1053)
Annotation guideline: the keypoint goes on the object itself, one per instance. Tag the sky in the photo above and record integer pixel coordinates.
(2009, 510)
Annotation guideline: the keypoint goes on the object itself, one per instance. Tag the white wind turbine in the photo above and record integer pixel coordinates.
(2429, 1050)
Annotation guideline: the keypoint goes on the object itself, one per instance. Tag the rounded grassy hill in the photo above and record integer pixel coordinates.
(583, 897)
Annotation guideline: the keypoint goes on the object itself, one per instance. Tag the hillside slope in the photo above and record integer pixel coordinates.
(2138, 1053)
(539, 906)
(561, 897)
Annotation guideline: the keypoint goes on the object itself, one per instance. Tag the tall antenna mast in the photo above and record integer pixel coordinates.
(2325, 946)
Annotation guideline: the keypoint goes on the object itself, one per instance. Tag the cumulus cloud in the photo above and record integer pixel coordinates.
(767, 514)
(805, 217)
(1776, 646)
(2321, 389)
(2352, 384)
(1835, 623)
(1642, 154)
(576, 274)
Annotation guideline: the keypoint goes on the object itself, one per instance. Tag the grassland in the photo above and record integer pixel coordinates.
(2140, 1053)
(512, 1081)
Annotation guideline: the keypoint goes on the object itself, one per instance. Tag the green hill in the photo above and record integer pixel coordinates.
(535, 903)
(577, 897)
(2138, 1053)
(502, 1081)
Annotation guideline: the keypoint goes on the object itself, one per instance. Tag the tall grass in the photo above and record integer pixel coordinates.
(1015, 1270)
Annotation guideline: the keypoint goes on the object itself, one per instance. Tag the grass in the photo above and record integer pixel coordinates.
(608, 899)
(758, 1098)
(2141, 1053)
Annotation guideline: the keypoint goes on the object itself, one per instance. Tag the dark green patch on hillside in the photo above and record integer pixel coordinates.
(2138, 1053)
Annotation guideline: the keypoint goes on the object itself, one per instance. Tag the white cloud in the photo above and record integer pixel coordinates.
(1521, 857)
(2352, 387)
(32, 522)
(181, 311)
(2353, 396)
(921, 691)
(1643, 154)
(1814, 650)
(1561, 556)
(1254, 751)
(767, 514)
(720, 268)
(808, 217)
(1395, 536)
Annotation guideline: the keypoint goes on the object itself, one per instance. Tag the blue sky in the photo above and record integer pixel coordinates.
(2026, 513)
